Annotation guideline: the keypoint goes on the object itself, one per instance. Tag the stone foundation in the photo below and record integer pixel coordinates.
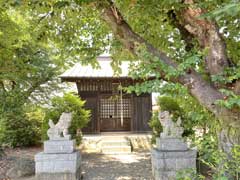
(59, 161)
(59, 176)
(171, 156)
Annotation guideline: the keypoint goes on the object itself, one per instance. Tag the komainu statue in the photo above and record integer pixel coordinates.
(170, 128)
(59, 131)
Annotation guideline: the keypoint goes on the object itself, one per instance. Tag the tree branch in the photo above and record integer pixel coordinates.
(185, 35)
(202, 90)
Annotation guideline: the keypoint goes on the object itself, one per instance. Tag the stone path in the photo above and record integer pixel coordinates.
(134, 166)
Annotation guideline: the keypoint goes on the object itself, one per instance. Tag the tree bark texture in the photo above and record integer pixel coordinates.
(208, 36)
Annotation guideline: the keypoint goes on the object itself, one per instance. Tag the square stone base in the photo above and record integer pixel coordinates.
(58, 166)
(166, 164)
(171, 144)
(59, 146)
(59, 176)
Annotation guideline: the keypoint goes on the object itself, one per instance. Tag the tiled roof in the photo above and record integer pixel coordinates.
(105, 70)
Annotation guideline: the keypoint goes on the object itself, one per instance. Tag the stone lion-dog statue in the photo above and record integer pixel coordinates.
(59, 131)
(171, 129)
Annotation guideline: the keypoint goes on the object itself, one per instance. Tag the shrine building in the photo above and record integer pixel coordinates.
(112, 109)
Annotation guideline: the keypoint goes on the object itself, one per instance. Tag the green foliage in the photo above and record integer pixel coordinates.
(28, 70)
(189, 174)
(231, 101)
(152, 22)
(224, 166)
(27, 66)
(39, 38)
(71, 26)
(68, 103)
(228, 76)
(16, 131)
(156, 126)
(35, 114)
(169, 104)
(24, 124)
(229, 9)
(207, 146)
(20, 125)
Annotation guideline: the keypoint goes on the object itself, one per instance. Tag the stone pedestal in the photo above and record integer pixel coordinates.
(60, 146)
(170, 156)
(171, 144)
(58, 161)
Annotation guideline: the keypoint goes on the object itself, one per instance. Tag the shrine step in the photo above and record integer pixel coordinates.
(116, 150)
(94, 143)
(115, 145)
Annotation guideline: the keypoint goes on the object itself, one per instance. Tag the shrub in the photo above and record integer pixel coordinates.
(156, 126)
(169, 104)
(17, 127)
(35, 115)
(189, 174)
(68, 103)
(223, 166)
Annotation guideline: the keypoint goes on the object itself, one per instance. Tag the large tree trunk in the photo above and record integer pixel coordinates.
(208, 36)
(202, 90)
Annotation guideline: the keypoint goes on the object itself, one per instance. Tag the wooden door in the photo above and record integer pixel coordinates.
(114, 114)
(142, 107)
(91, 104)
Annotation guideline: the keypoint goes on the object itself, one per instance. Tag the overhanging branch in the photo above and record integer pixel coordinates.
(202, 90)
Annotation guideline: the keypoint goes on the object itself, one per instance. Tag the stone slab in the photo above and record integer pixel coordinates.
(158, 154)
(174, 165)
(57, 163)
(57, 146)
(59, 176)
(67, 138)
(171, 144)
(169, 175)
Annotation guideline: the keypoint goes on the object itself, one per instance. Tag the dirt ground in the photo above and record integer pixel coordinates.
(134, 166)
(10, 155)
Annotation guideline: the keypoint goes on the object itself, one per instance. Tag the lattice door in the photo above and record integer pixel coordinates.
(111, 110)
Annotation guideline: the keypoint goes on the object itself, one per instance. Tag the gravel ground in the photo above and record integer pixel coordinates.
(134, 166)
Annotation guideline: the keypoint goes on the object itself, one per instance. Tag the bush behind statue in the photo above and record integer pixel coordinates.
(20, 123)
(167, 103)
(68, 103)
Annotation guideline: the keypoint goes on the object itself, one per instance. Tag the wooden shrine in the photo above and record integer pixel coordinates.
(112, 109)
